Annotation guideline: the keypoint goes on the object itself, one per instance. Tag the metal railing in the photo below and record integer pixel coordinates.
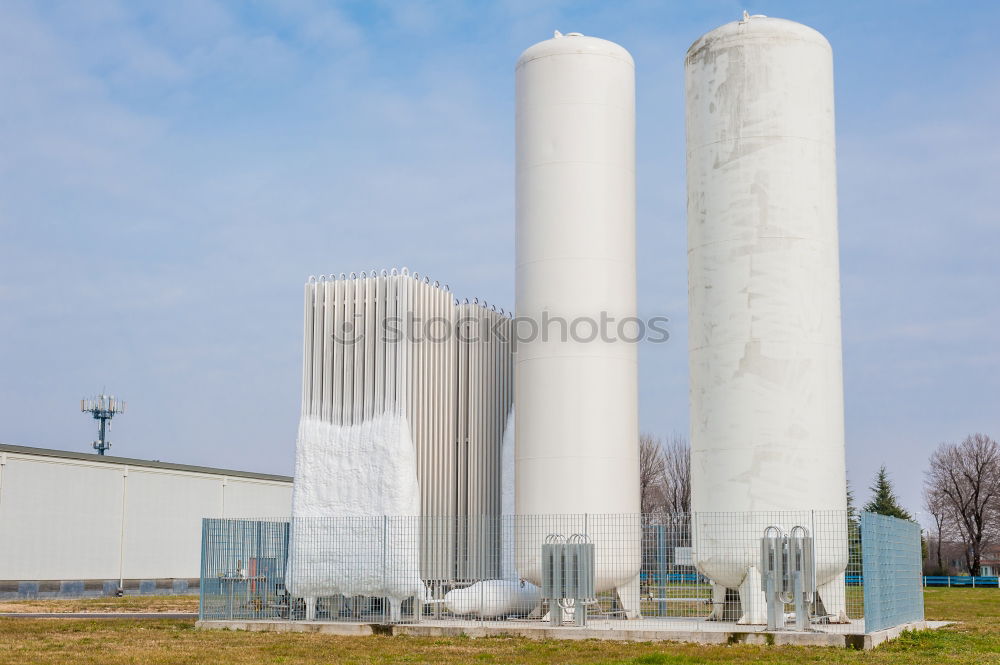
(974, 582)
(683, 572)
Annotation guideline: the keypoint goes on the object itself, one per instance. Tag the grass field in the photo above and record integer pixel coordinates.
(148, 604)
(975, 640)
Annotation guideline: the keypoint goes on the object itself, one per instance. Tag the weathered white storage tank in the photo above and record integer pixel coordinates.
(576, 388)
(767, 430)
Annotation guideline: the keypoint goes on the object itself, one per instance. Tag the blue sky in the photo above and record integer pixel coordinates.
(172, 172)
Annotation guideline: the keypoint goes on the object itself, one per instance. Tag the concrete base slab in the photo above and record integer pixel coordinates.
(700, 633)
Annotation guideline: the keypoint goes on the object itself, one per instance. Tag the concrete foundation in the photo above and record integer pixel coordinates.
(851, 637)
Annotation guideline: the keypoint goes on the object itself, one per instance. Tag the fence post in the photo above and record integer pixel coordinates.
(482, 561)
(204, 564)
(662, 568)
(386, 615)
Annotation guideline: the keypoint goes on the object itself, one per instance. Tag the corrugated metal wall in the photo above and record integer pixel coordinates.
(88, 519)
(379, 341)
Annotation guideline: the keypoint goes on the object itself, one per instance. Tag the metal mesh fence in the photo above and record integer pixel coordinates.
(243, 569)
(709, 571)
(892, 571)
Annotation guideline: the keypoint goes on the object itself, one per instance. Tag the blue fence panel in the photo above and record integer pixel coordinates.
(962, 580)
(892, 564)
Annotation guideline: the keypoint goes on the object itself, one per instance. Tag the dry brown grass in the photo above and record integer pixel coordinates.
(113, 641)
(151, 604)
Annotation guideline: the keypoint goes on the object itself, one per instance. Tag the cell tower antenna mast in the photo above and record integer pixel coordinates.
(103, 408)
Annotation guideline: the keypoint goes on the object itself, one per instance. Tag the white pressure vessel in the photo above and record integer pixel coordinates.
(767, 416)
(575, 391)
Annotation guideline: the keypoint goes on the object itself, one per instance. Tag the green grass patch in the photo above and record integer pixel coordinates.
(975, 641)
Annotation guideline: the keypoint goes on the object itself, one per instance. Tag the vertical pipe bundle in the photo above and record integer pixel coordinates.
(398, 346)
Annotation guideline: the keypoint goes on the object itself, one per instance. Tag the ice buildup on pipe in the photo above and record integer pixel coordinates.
(360, 474)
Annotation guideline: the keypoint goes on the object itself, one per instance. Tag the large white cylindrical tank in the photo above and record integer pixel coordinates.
(767, 417)
(575, 394)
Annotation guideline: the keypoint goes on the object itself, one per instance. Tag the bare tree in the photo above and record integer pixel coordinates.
(966, 478)
(651, 469)
(677, 475)
(665, 474)
(936, 504)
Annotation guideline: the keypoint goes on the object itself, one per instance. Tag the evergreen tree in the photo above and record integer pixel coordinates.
(852, 512)
(884, 500)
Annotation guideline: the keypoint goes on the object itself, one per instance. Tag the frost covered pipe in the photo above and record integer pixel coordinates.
(767, 421)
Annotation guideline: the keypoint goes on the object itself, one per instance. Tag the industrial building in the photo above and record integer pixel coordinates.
(82, 524)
